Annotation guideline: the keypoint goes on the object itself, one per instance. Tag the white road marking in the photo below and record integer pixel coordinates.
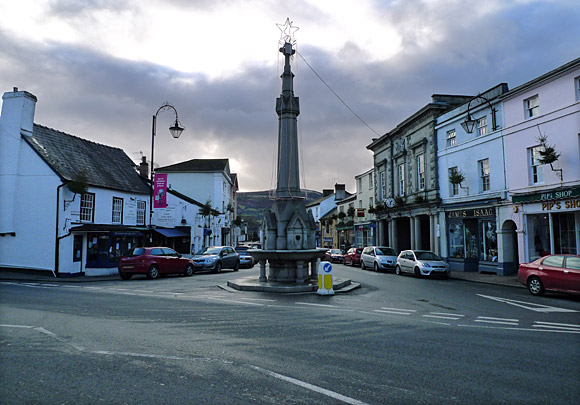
(520, 329)
(236, 302)
(16, 326)
(491, 318)
(311, 387)
(454, 318)
(400, 309)
(446, 314)
(384, 311)
(558, 324)
(500, 321)
(315, 305)
(528, 305)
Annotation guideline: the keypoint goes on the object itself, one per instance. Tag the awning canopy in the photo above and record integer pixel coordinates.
(171, 232)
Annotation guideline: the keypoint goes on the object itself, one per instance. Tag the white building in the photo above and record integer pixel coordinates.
(364, 223)
(321, 207)
(73, 206)
(546, 198)
(471, 211)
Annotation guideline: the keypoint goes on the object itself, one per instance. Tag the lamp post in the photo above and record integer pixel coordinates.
(469, 123)
(176, 129)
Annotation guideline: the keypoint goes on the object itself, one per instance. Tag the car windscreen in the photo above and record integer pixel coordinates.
(427, 256)
(241, 248)
(209, 251)
(386, 251)
(137, 252)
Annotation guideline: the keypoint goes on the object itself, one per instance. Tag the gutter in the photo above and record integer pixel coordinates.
(57, 239)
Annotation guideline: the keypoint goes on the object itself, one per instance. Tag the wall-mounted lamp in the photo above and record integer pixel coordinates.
(470, 123)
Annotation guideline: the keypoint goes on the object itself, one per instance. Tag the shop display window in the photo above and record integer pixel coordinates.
(488, 241)
(471, 247)
(538, 235)
(564, 234)
(456, 240)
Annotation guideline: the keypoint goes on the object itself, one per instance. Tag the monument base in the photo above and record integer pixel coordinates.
(288, 266)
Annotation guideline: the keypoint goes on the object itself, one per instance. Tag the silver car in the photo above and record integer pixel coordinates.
(421, 263)
(378, 258)
(216, 258)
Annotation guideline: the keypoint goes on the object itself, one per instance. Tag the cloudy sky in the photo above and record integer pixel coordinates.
(102, 68)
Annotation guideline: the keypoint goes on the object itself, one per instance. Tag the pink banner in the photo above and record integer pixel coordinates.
(160, 190)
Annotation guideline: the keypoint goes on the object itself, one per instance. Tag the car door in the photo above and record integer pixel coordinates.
(161, 259)
(408, 262)
(552, 268)
(173, 262)
(572, 273)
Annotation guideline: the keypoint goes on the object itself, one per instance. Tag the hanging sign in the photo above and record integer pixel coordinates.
(160, 191)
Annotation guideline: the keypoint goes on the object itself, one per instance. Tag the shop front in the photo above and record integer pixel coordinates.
(472, 239)
(551, 222)
(365, 234)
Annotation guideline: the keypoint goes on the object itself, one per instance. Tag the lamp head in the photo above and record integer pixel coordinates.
(469, 124)
(176, 129)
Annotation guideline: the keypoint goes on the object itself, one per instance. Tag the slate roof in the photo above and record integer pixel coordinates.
(198, 165)
(69, 156)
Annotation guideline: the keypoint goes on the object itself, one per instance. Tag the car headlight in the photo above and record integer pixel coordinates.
(211, 260)
(423, 264)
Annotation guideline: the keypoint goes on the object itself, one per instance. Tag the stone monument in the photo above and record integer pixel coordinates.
(289, 230)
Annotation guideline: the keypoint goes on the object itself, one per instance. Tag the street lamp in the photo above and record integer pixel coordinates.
(469, 123)
(176, 129)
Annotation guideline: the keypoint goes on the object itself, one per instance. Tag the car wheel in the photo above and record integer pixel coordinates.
(376, 267)
(218, 267)
(153, 272)
(125, 276)
(362, 265)
(189, 270)
(398, 271)
(535, 286)
(417, 272)
(237, 266)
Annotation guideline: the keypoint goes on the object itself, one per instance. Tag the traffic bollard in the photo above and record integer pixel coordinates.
(325, 279)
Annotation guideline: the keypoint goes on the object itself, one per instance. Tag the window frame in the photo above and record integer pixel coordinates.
(482, 128)
(484, 176)
(117, 211)
(532, 111)
(401, 179)
(141, 212)
(536, 169)
(382, 186)
(451, 137)
(87, 207)
(420, 162)
(453, 188)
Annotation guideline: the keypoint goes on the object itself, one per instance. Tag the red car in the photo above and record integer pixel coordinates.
(352, 257)
(552, 272)
(153, 262)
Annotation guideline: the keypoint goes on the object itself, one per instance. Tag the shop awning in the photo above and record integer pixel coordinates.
(171, 232)
(106, 228)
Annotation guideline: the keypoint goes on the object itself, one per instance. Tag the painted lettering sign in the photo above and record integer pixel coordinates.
(559, 205)
(478, 212)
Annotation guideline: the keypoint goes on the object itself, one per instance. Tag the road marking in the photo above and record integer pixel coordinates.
(16, 326)
(559, 326)
(528, 305)
(454, 318)
(520, 329)
(236, 302)
(500, 321)
(311, 387)
(315, 305)
(399, 309)
(398, 312)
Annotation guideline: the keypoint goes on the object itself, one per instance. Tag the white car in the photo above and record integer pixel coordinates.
(421, 263)
(378, 258)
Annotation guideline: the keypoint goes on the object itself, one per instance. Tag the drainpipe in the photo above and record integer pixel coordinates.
(57, 239)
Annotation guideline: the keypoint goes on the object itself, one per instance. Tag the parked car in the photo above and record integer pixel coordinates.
(421, 263)
(552, 272)
(246, 259)
(378, 258)
(216, 258)
(154, 262)
(352, 256)
(334, 256)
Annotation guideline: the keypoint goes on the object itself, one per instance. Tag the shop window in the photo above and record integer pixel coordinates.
(564, 233)
(88, 207)
(456, 240)
(471, 245)
(77, 248)
(538, 236)
(488, 241)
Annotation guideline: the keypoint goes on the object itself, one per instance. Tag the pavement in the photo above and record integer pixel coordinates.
(47, 276)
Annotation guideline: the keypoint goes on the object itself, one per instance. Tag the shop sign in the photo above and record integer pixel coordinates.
(474, 213)
(561, 205)
(558, 194)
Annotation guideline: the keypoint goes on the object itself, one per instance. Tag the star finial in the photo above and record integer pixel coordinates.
(287, 32)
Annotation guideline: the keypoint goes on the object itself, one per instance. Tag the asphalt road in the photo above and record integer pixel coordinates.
(177, 340)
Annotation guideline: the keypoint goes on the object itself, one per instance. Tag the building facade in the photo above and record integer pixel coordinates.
(364, 224)
(406, 179)
(472, 210)
(545, 197)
